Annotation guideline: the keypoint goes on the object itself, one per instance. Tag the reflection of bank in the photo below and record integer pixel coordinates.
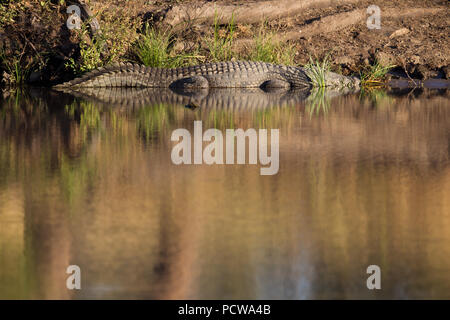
(13, 276)
(348, 194)
(33, 250)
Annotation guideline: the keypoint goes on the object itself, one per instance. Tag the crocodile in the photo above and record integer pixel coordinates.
(233, 74)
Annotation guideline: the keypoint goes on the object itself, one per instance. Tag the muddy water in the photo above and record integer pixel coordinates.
(363, 180)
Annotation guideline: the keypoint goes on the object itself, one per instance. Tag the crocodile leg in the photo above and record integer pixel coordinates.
(275, 85)
(190, 83)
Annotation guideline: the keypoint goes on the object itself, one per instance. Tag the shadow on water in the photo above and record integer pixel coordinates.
(86, 179)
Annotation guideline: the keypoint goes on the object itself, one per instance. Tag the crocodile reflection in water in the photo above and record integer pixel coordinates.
(224, 98)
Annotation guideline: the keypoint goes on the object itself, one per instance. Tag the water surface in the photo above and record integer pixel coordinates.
(87, 179)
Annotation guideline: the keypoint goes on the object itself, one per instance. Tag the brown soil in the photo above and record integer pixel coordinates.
(413, 34)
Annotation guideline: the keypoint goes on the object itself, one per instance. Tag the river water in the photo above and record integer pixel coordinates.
(88, 180)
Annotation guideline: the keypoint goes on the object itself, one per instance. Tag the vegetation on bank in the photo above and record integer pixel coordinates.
(318, 70)
(374, 74)
(48, 52)
(155, 48)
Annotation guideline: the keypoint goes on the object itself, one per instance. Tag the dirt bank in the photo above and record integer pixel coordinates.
(413, 36)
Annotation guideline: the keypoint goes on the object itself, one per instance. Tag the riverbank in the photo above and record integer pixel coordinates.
(38, 48)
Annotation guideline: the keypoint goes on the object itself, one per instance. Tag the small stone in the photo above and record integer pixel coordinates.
(399, 32)
(179, 46)
(6, 77)
(385, 59)
(343, 60)
(415, 59)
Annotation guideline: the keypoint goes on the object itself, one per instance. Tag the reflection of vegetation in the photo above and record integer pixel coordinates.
(318, 101)
(220, 119)
(154, 119)
(75, 177)
(90, 115)
(87, 113)
(18, 110)
(376, 95)
(275, 117)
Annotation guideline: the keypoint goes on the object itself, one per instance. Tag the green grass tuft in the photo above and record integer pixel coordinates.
(220, 47)
(155, 49)
(317, 71)
(269, 50)
(375, 74)
(17, 69)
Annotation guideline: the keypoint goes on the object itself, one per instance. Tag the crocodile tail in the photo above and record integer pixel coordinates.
(115, 75)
